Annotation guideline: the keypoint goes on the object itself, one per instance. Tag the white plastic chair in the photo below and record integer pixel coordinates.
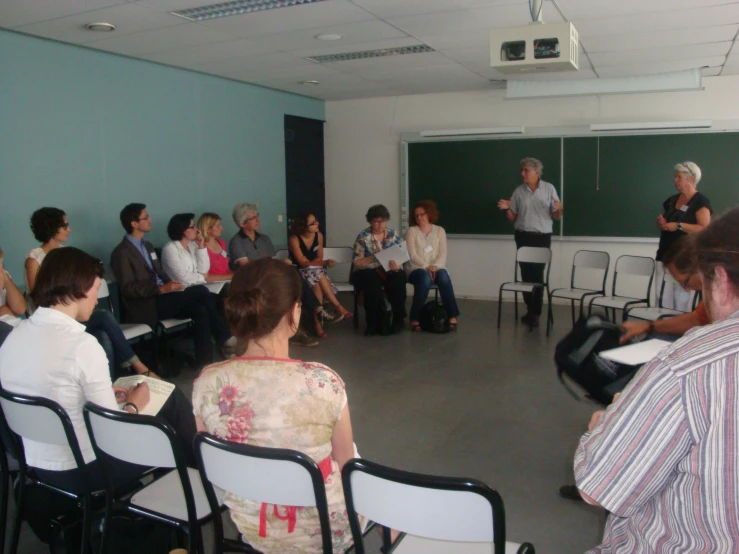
(635, 266)
(130, 330)
(658, 312)
(583, 260)
(435, 514)
(271, 475)
(282, 254)
(177, 498)
(527, 254)
(339, 274)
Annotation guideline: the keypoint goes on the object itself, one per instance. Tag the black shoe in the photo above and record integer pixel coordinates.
(531, 321)
(570, 492)
(301, 339)
(398, 325)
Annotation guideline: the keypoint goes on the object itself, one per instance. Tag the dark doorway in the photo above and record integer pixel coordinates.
(304, 177)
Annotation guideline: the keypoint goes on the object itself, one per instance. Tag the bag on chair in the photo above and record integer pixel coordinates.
(576, 356)
(432, 318)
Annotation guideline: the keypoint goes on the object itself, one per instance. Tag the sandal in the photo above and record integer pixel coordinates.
(416, 327)
(453, 326)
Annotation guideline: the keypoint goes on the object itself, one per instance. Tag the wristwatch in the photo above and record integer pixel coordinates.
(679, 225)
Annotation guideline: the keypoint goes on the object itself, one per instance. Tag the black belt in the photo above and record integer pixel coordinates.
(535, 233)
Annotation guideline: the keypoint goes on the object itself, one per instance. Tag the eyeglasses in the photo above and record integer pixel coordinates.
(314, 222)
(193, 226)
(147, 218)
(378, 221)
(64, 226)
(251, 218)
(421, 215)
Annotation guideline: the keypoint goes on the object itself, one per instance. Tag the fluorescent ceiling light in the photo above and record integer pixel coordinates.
(328, 36)
(652, 125)
(417, 49)
(474, 132)
(237, 7)
(663, 82)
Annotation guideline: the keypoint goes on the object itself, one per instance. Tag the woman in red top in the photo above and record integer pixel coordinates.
(211, 229)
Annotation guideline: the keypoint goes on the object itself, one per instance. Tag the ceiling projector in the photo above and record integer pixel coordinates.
(535, 48)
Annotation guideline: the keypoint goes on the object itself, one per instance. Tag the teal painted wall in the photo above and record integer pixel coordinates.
(89, 132)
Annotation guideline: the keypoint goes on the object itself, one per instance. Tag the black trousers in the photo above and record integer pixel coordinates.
(198, 304)
(369, 282)
(533, 273)
(177, 411)
(308, 297)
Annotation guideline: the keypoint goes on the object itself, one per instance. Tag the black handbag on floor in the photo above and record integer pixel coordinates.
(432, 318)
(576, 356)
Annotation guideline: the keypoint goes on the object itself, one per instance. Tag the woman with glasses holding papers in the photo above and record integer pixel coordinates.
(370, 278)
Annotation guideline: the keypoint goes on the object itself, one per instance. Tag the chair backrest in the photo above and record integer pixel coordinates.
(272, 475)
(343, 256)
(136, 439)
(282, 254)
(591, 259)
(103, 291)
(635, 266)
(534, 255)
(442, 508)
(40, 420)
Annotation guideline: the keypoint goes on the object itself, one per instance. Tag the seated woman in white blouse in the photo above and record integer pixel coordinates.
(426, 244)
(50, 355)
(186, 258)
(12, 303)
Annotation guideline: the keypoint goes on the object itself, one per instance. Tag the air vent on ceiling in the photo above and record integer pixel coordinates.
(417, 49)
(237, 7)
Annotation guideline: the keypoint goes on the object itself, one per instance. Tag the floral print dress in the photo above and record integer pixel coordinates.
(278, 403)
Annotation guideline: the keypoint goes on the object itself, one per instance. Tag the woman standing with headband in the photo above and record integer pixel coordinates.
(683, 213)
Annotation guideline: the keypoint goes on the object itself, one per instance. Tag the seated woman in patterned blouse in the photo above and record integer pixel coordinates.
(370, 278)
(265, 398)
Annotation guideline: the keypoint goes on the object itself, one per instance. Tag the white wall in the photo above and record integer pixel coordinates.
(362, 161)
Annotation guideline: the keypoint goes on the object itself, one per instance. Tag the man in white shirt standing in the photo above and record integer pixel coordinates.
(532, 209)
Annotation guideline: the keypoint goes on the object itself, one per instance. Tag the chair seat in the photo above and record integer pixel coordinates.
(344, 287)
(617, 302)
(573, 294)
(165, 496)
(651, 314)
(174, 322)
(134, 330)
(411, 544)
(520, 286)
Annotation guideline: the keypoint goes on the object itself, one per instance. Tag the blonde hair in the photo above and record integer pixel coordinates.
(206, 221)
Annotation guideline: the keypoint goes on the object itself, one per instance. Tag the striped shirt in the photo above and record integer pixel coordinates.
(663, 459)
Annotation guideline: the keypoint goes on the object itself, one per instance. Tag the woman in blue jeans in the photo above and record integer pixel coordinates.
(51, 228)
(426, 244)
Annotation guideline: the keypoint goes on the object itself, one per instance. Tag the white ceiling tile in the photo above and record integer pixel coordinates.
(386, 64)
(382, 92)
(16, 13)
(192, 56)
(470, 20)
(176, 5)
(730, 70)
(437, 87)
(402, 8)
(253, 63)
(672, 53)
(658, 67)
(711, 71)
(580, 10)
(445, 72)
(659, 39)
(361, 47)
(725, 14)
(733, 57)
(292, 74)
(160, 40)
(465, 39)
(352, 33)
(128, 19)
(292, 18)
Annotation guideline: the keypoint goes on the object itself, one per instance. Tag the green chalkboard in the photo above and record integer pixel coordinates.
(467, 178)
(615, 186)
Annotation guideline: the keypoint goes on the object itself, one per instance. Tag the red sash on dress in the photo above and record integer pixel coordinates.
(290, 511)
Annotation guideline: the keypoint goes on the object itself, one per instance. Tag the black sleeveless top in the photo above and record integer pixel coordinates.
(684, 215)
(311, 252)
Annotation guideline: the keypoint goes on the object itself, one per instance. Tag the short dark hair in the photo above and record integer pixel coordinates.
(65, 276)
(178, 224)
(681, 254)
(129, 214)
(300, 223)
(260, 295)
(378, 210)
(718, 246)
(46, 222)
(429, 207)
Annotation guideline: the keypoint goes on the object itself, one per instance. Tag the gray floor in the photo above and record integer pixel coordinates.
(477, 403)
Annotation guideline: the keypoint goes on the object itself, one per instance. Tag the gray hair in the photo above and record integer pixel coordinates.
(241, 212)
(535, 164)
(690, 168)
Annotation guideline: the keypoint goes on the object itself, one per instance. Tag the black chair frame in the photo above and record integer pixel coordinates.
(281, 454)
(25, 477)
(428, 482)
(599, 292)
(191, 527)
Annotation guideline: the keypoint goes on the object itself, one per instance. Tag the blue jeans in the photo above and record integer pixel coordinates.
(103, 326)
(422, 282)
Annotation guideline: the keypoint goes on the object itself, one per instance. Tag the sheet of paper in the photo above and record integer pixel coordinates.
(159, 391)
(635, 354)
(216, 287)
(397, 253)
